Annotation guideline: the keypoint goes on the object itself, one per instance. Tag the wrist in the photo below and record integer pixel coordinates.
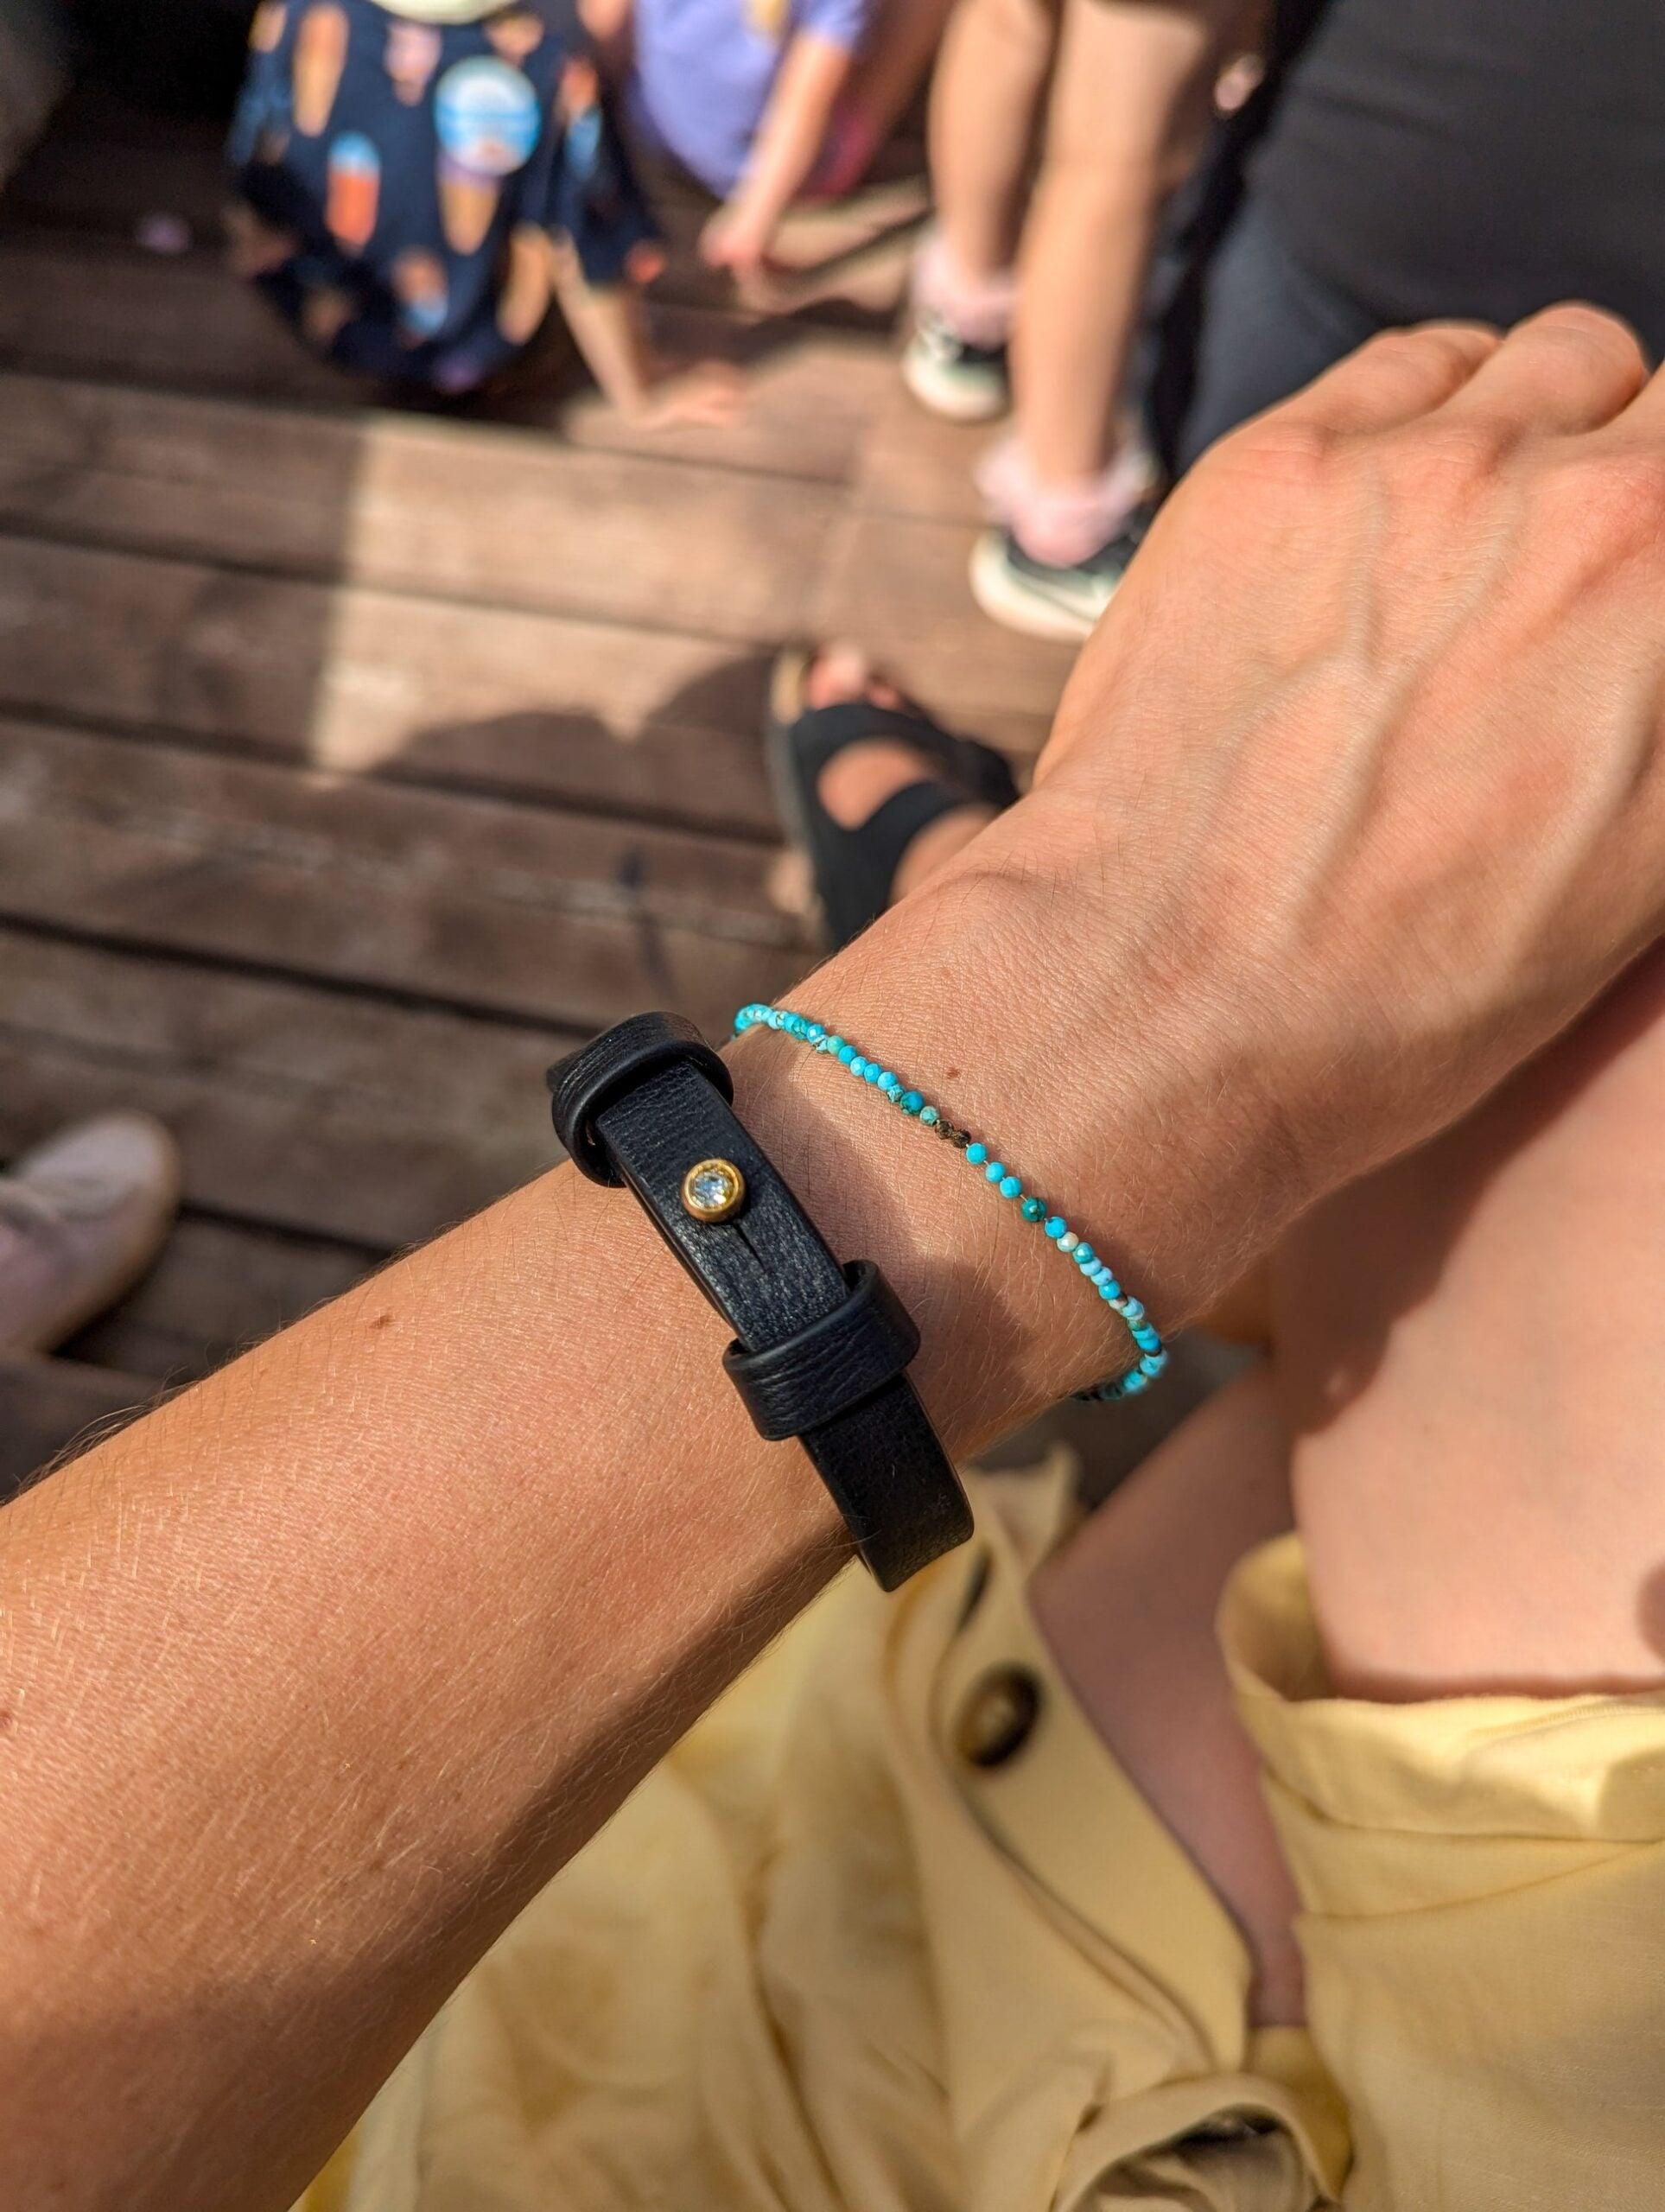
(1119, 1106)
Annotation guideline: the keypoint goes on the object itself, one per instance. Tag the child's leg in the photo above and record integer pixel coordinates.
(1129, 104)
(1475, 1357)
(985, 109)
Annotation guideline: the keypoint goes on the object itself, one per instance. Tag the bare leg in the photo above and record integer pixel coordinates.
(1130, 103)
(1473, 1359)
(986, 103)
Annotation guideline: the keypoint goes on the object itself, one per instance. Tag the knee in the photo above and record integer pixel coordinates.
(1028, 28)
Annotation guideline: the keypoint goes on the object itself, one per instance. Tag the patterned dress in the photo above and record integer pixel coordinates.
(405, 191)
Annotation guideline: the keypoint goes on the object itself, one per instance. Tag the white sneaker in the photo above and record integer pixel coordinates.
(947, 374)
(81, 1218)
(1041, 598)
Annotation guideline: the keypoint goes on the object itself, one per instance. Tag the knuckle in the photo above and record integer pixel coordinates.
(1457, 450)
(1614, 498)
(1282, 453)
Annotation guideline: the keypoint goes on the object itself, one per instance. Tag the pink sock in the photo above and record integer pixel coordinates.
(1063, 523)
(976, 308)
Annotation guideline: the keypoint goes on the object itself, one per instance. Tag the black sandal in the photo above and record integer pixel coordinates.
(855, 869)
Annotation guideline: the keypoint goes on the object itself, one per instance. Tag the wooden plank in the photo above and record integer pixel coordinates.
(555, 918)
(899, 584)
(96, 307)
(105, 164)
(345, 677)
(46, 1405)
(91, 307)
(914, 463)
(217, 1287)
(458, 511)
(341, 1117)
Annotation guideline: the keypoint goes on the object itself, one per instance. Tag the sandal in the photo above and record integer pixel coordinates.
(854, 870)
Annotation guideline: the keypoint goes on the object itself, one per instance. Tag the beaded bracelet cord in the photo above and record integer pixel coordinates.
(1095, 1272)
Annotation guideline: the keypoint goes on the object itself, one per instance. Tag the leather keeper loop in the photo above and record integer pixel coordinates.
(833, 1364)
(585, 1082)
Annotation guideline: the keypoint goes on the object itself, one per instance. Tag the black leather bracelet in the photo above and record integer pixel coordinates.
(821, 1351)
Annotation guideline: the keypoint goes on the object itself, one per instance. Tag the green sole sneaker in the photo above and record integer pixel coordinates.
(1041, 599)
(960, 382)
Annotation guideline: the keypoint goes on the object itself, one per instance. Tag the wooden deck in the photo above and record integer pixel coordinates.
(354, 761)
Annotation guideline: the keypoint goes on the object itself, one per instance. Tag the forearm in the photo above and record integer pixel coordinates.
(609, 326)
(794, 128)
(311, 1678)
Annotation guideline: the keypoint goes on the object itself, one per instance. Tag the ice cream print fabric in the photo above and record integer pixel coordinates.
(406, 190)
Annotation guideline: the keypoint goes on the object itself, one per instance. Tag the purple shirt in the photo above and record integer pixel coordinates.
(705, 68)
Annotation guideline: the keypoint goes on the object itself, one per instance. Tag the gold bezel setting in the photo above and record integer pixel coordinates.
(712, 1190)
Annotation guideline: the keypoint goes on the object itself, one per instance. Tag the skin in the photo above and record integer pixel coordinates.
(815, 78)
(310, 1679)
(1116, 94)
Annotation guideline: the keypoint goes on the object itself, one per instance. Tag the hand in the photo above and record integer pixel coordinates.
(706, 395)
(737, 238)
(1375, 726)
(1357, 796)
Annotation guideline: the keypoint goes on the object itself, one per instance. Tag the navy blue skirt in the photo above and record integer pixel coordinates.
(404, 190)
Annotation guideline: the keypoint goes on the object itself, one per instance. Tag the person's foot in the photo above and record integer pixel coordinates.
(1047, 599)
(951, 375)
(81, 1217)
(857, 780)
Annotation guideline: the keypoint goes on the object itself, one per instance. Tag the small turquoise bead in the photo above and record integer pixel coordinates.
(846, 1054)
(995, 1171)
(857, 1065)
(1010, 1187)
(1085, 1255)
(976, 1153)
(873, 1072)
(930, 1116)
(912, 1102)
(1146, 1338)
(1107, 1291)
(1133, 1309)
(1152, 1364)
(814, 1031)
(889, 1084)
(1033, 1209)
(1056, 1227)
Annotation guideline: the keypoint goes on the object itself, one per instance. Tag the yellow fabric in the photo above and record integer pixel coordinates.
(1483, 1881)
(820, 1962)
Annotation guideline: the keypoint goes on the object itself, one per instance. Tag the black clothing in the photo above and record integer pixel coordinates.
(1476, 157)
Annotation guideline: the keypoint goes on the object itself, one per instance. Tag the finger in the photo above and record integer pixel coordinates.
(1571, 368)
(1646, 412)
(1394, 377)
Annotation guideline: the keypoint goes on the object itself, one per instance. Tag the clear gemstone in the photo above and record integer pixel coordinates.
(713, 1188)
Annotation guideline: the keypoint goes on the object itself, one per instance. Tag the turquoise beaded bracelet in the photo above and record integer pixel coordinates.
(1152, 1358)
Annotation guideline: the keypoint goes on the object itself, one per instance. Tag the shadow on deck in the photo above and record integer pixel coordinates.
(355, 760)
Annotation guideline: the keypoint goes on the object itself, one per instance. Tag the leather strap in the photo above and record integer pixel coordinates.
(820, 1350)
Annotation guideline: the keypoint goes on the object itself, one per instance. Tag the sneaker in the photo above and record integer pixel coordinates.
(1043, 597)
(81, 1218)
(951, 376)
